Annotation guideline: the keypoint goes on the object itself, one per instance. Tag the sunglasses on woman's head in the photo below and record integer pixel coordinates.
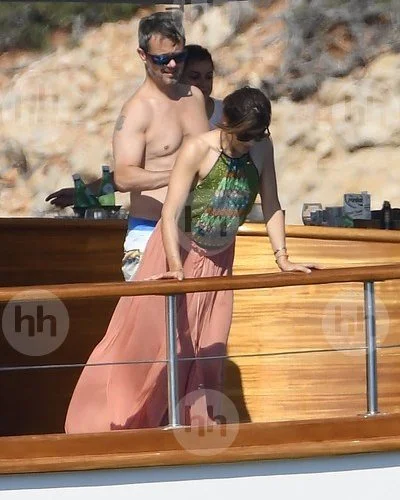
(164, 59)
(253, 136)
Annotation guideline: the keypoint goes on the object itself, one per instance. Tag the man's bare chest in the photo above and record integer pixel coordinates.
(165, 135)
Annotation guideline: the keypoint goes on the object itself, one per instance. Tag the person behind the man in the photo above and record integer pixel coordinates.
(150, 129)
(199, 71)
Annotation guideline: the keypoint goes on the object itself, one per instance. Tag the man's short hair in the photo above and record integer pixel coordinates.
(166, 24)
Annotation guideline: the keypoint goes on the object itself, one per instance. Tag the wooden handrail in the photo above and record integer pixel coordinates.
(325, 233)
(191, 285)
(155, 447)
(247, 229)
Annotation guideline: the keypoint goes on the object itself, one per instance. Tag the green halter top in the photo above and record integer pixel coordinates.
(219, 203)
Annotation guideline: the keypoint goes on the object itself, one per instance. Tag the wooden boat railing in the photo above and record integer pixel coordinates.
(254, 441)
(168, 287)
(367, 275)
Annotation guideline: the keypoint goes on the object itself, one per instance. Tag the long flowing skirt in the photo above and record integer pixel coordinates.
(128, 388)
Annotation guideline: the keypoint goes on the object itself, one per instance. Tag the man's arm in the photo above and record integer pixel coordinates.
(65, 197)
(128, 149)
(129, 145)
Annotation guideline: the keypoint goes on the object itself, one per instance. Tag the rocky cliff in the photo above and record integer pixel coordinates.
(331, 68)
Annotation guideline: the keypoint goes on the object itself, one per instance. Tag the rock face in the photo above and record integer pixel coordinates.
(335, 125)
(345, 139)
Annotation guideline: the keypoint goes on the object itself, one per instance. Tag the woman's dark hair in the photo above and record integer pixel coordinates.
(197, 53)
(167, 24)
(246, 109)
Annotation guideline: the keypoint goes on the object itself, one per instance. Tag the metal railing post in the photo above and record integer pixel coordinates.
(370, 334)
(172, 361)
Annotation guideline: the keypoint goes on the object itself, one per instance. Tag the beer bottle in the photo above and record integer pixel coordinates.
(106, 195)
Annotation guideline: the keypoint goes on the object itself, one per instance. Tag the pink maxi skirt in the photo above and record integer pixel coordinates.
(119, 394)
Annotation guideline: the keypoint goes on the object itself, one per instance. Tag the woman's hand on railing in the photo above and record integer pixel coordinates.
(285, 265)
(177, 275)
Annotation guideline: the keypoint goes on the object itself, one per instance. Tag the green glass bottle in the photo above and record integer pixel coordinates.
(80, 198)
(106, 194)
(83, 196)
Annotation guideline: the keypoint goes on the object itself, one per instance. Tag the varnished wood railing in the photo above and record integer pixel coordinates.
(326, 233)
(190, 285)
(156, 447)
(247, 229)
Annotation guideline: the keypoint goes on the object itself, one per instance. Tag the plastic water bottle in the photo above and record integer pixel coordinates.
(107, 194)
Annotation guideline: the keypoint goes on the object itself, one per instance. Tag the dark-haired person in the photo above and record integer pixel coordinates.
(199, 71)
(214, 183)
(150, 129)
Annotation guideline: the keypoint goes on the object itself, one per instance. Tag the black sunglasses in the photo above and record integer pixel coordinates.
(248, 136)
(164, 59)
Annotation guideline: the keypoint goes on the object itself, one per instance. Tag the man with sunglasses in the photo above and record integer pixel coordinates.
(150, 130)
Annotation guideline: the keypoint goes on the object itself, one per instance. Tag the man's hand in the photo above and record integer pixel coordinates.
(62, 198)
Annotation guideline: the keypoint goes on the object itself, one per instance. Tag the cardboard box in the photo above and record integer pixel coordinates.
(357, 205)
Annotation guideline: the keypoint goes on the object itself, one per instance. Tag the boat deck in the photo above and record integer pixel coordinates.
(295, 353)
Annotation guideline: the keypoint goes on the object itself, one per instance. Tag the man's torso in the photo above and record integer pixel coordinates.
(171, 121)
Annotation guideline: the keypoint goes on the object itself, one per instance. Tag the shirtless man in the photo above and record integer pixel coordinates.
(150, 129)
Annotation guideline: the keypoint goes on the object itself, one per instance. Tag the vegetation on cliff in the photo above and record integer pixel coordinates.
(27, 25)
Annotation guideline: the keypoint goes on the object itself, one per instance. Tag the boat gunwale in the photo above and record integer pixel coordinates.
(160, 447)
(247, 229)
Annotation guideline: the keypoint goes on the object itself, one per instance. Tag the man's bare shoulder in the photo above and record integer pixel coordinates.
(190, 92)
(137, 108)
(196, 93)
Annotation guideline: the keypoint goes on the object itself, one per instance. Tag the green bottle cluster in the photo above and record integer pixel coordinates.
(85, 198)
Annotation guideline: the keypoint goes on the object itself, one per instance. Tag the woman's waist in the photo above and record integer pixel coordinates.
(207, 240)
(205, 246)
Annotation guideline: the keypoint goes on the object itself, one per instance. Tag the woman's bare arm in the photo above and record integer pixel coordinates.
(274, 217)
(183, 174)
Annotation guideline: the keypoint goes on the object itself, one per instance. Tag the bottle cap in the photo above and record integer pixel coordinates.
(76, 177)
(105, 168)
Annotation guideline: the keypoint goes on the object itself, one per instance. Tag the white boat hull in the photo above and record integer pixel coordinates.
(368, 476)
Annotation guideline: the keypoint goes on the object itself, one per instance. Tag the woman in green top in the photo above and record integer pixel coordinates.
(215, 181)
(213, 186)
